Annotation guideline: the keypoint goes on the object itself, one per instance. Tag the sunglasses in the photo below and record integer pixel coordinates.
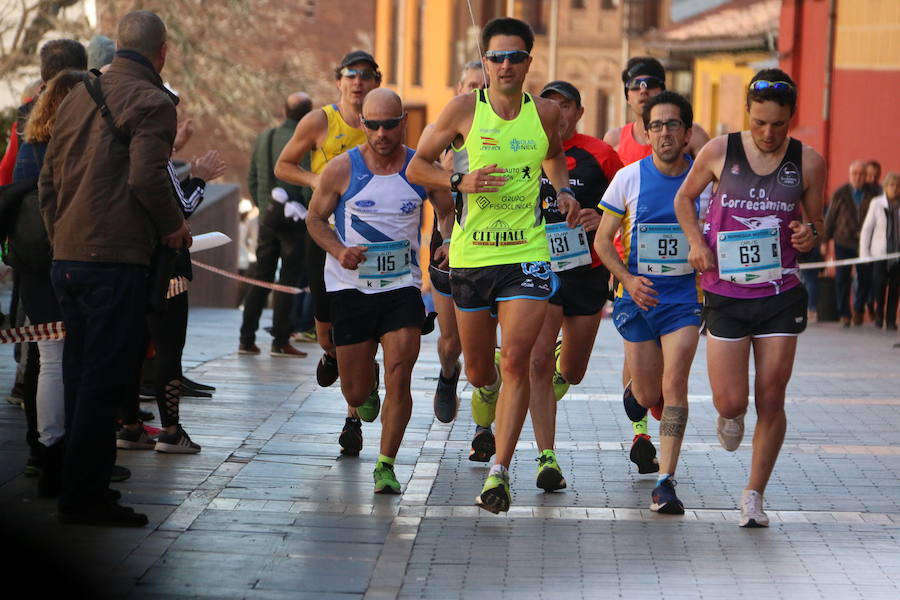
(513, 56)
(670, 125)
(364, 74)
(388, 124)
(778, 86)
(643, 83)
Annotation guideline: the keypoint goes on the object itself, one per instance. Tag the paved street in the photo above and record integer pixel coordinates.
(270, 510)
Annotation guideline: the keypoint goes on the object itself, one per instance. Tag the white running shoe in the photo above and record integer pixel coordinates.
(730, 432)
(752, 514)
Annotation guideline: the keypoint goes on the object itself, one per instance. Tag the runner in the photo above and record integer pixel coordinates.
(747, 254)
(498, 253)
(657, 309)
(446, 400)
(643, 77)
(584, 282)
(371, 271)
(326, 134)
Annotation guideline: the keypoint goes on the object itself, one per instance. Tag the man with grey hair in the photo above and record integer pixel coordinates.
(107, 203)
(846, 213)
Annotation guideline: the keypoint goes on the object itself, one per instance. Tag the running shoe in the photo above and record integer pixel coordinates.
(385, 480)
(326, 370)
(549, 475)
(484, 401)
(176, 443)
(305, 336)
(752, 514)
(134, 439)
(351, 439)
(664, 500)
(33, 466)
(560, 385)
(483, 446)
(16, 394)
(495, 493)
(643, 454)
(730, 432)
(369, 410)
(446, 400)
(119, 474)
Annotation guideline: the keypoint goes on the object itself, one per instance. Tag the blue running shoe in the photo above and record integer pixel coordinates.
(664, 499)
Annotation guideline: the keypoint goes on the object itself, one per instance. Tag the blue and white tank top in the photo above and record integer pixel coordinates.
(375, 211)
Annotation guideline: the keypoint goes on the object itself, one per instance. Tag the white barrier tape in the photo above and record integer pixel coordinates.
(846, 262)
(287, 289)
(33, 333)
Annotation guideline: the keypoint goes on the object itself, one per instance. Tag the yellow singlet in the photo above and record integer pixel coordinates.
(341, 137)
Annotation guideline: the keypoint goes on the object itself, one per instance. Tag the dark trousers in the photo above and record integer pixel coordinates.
(168, 330)
(863, 293)
(103, 307)
(843, 279)
(886, 289)
(285, 243)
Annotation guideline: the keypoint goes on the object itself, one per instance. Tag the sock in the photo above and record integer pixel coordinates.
(496, 385)
(640, 427)
(385, 459)
(354, 419)
(497, 470)
(662, 477)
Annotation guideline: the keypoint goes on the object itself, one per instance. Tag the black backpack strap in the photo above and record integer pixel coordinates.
(92, 84)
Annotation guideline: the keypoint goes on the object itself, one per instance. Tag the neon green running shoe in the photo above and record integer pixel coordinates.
(640, 427)
(560, 385)
(369, 410)
(484, 401)
(549, 475)
(495, 493)
(385, 480)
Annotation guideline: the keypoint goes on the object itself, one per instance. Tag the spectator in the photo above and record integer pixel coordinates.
(846, 212)
(880, 235)
(100, 51)
(105, 210)
(282, 234)
(873, 174)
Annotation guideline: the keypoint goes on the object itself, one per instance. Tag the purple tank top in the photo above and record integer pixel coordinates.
(747, 201)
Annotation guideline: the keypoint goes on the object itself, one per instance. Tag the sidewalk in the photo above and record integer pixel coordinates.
(269, 509)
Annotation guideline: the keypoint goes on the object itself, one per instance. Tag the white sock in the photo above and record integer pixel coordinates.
(497, 470)
(663, 477)
(496, 385)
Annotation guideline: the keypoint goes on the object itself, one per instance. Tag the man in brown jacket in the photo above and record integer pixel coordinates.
(106, 204)
(846, 212)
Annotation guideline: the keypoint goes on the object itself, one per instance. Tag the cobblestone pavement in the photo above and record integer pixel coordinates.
(268, 509)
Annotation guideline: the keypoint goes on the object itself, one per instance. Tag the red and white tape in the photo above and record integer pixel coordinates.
(33, 333)
(287, 289)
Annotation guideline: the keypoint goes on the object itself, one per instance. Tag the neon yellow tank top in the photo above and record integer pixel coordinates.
(506, 226)
(341, 137)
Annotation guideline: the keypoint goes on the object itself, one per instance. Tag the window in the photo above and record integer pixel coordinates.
(395, 41)
(420, 49)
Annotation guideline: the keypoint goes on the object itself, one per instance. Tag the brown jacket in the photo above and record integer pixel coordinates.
(844, 218)
(103, 201)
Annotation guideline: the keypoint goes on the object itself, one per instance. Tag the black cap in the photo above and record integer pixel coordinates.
(359, 56)
(644, 65)
(563, 88)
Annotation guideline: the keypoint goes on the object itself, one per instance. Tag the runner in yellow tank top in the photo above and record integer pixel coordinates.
(498, 251)
(325, 134)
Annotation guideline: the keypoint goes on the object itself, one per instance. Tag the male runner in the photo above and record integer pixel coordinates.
(657, 310)
(747, 255)
(577, 306)
(371, 271)
(498, 253)
(643, 77)
(446, 400)
(326, 134)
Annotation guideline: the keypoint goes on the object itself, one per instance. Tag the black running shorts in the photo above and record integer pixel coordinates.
(481, 288)
(737, 318)
(440, 280)
(582, 291)
(359, 317)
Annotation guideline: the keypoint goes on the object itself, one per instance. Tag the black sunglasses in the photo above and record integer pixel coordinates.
(513, 56)
(388, 124)
(648, 82)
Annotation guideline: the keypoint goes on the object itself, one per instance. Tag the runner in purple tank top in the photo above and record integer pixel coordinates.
(766, 208)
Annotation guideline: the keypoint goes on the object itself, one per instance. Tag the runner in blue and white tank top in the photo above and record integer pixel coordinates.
(657, 308)
(766, 208)
(372, 271)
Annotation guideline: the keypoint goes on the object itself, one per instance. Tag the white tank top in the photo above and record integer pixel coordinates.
(374, 211)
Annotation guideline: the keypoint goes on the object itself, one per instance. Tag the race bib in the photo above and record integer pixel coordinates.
(752, 256)
(662, 250)
(568, 247)
(386, 264)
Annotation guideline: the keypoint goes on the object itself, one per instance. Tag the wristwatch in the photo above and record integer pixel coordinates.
(455, 180)
(815, 231)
